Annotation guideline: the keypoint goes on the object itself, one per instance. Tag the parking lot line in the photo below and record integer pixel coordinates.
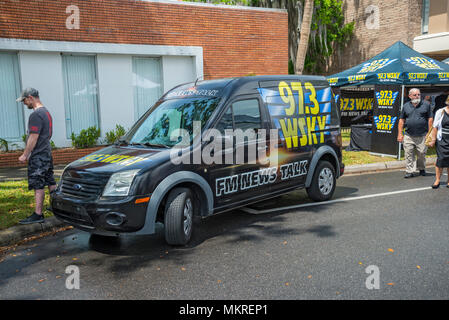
(253, 211)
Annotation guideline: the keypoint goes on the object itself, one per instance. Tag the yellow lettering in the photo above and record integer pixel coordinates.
(322, 126)
(296, 86)
(302, 124)
(316, 106)
(290, 132)
(311, 122)
(283, 86)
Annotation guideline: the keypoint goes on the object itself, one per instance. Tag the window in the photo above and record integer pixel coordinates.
(246, 114)
(80, 93)
(425, 16)
(225, 121)
(147, 82)
(11, 112)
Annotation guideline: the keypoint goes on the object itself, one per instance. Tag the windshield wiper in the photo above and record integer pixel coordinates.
(120, 142)
(148, 144)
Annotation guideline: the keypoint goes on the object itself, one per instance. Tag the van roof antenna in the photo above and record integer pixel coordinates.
(197, 80)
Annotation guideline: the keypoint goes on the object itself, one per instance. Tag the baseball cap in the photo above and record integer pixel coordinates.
(26, 93)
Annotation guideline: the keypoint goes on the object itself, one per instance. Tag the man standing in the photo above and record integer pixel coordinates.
(416, 117)
(38, 152)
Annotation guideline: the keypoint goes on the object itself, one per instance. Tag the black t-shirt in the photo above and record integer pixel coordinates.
(416, 118)
(40, 122)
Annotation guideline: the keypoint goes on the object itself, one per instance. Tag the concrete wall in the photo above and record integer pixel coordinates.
(439, 16)
(41, 68)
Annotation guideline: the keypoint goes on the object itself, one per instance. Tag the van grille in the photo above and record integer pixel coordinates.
(81, 189)
(82, 185)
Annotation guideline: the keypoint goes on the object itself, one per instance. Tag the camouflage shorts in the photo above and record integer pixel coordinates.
(40, 172)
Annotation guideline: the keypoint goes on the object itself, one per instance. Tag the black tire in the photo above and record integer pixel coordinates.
(178, 216)
(323, 182)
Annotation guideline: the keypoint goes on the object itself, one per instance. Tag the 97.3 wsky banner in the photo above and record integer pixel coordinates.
(387, 107)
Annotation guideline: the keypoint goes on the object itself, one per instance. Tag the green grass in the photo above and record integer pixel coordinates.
(346, 135)
(17, 203)
(364, 157)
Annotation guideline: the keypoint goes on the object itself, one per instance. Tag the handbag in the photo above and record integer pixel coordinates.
(428, 141)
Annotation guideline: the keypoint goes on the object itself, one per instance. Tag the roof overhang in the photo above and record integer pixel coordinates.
(436, 43)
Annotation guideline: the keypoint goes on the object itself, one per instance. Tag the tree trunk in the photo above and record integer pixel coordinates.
(304, 37)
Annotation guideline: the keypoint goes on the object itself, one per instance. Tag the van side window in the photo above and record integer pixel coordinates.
(225, 121)
(247, 114)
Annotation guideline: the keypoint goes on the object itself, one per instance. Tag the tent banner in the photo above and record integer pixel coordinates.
(355, 106)
(396, 65)
(386, 111)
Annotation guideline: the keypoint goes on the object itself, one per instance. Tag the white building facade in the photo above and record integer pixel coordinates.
(88, 84)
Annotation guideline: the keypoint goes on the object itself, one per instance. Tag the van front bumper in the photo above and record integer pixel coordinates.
(102, 215)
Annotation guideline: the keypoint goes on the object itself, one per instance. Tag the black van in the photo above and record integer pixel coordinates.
(192, 155)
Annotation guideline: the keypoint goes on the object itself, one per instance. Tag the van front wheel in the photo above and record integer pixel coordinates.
(178, 216)
(323, 182)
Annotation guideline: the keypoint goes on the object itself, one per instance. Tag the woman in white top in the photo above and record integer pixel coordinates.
(440, 137)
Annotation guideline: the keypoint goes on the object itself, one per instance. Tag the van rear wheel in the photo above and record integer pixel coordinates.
(178, 216)
(323, 182)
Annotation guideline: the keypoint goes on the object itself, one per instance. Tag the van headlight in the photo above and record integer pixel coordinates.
(119, 183)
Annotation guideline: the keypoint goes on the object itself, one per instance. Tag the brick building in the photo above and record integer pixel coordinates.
(105, 62)
(421, 24)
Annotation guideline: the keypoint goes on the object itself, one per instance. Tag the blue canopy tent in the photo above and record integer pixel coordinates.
(447, 60)
(399, 66)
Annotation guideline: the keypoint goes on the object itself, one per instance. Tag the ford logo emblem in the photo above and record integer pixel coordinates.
(77, 187)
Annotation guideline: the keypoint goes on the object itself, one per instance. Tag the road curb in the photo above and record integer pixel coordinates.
(20, 232)
(382, 166)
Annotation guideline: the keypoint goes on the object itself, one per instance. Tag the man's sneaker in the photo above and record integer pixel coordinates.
(34, 218)
(408, 175)
(422, 173)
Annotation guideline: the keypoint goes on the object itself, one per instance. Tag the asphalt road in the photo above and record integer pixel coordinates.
(389, 232)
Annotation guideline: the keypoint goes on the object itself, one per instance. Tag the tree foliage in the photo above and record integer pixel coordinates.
(328, 31)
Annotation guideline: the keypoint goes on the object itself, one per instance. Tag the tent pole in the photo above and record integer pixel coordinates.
(402, 105)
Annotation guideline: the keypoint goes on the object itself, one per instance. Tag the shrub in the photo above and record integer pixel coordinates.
(4, 144)
(114, 135)
(87, 138)
(24, 139)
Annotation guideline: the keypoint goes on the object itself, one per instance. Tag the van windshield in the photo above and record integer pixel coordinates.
(158, 125)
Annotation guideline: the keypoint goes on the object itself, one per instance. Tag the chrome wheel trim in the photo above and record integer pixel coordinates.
(326, 181)
(188, 216)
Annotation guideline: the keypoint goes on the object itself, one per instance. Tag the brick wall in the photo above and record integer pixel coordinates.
(235, 41)
(60, 156)
(400, 20)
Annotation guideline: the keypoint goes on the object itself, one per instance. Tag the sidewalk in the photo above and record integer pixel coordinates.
(21, 173)
(20, 232)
